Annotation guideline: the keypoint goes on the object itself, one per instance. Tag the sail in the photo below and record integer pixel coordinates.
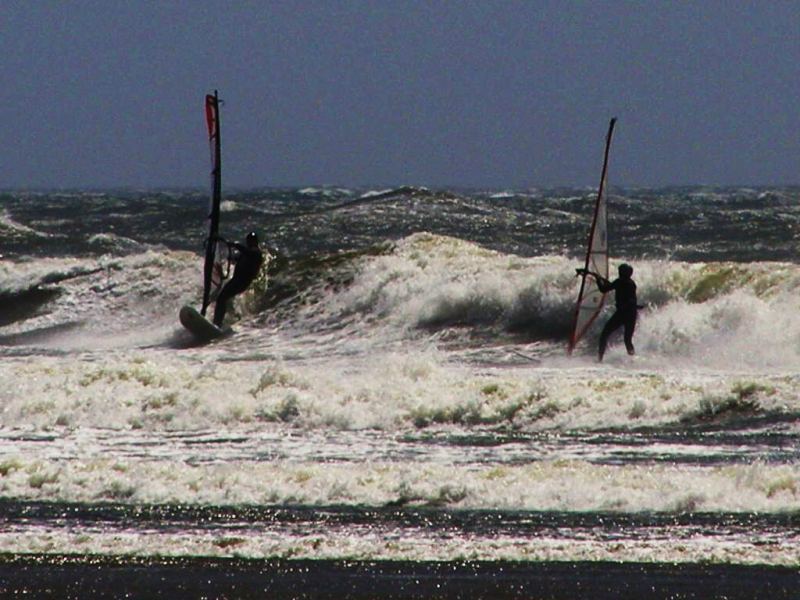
(211, 267)
(590, 299)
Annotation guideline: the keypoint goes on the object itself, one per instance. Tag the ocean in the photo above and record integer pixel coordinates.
(395, 414)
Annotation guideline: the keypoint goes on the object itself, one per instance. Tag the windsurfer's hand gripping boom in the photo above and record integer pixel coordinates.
(592, 273)
(603, 284)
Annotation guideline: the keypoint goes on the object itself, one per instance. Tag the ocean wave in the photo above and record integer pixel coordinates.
(406, 191)
(325, 192)
(387, 192)
(15, 229)
(113, 243)
(443, 289)
(432, 282)
(24, 275)
(111, 297)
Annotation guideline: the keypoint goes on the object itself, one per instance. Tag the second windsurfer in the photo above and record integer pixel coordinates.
(627, 306)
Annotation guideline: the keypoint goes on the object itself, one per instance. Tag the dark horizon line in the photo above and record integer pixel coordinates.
(382, 187)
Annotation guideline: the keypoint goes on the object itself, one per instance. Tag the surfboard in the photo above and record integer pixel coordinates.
(199, 326)
(590, 299)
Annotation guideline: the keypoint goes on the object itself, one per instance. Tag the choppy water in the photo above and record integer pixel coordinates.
(397, 386)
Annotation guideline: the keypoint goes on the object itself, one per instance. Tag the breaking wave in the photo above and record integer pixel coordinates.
(435, 287)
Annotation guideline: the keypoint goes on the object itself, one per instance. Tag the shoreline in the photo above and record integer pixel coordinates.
(97, 576)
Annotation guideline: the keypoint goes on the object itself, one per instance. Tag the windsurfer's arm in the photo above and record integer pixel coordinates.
(602, 282)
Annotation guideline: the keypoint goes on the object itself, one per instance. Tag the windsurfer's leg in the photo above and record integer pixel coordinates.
(231, 289)
(610, 327)
(222, 305)
(630, 326)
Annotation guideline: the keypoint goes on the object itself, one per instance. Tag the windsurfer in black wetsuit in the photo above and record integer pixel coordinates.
(627, 307)
(248, 259)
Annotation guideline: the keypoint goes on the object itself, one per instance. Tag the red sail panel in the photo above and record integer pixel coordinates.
(211, 115)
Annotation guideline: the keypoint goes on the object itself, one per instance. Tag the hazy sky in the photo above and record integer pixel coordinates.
(494, 94)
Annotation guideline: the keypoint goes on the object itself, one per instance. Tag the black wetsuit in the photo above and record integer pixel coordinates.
(248, 264)
(625, 315)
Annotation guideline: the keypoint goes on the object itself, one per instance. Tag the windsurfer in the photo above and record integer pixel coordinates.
(627, 307)
(248, 258)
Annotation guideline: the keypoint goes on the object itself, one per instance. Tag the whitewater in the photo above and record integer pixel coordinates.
(397, 386)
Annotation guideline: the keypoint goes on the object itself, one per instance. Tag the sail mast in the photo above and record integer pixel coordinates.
(590, 302)
(212, 120)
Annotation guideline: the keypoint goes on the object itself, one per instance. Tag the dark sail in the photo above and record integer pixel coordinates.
(212, 119)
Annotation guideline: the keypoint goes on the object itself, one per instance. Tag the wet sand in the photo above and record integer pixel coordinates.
(82, 576)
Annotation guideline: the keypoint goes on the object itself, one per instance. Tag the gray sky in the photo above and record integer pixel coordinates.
(476, 94)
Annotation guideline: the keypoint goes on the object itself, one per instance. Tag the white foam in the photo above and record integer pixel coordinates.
(390, 390)
(377, 543)
(546, 485)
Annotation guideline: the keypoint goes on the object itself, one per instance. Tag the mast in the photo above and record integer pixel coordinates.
(212, 120)
(590, 302)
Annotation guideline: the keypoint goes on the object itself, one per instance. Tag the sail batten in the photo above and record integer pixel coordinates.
(590, 299)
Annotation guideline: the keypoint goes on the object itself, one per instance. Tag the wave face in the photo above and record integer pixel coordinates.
(402, 350)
